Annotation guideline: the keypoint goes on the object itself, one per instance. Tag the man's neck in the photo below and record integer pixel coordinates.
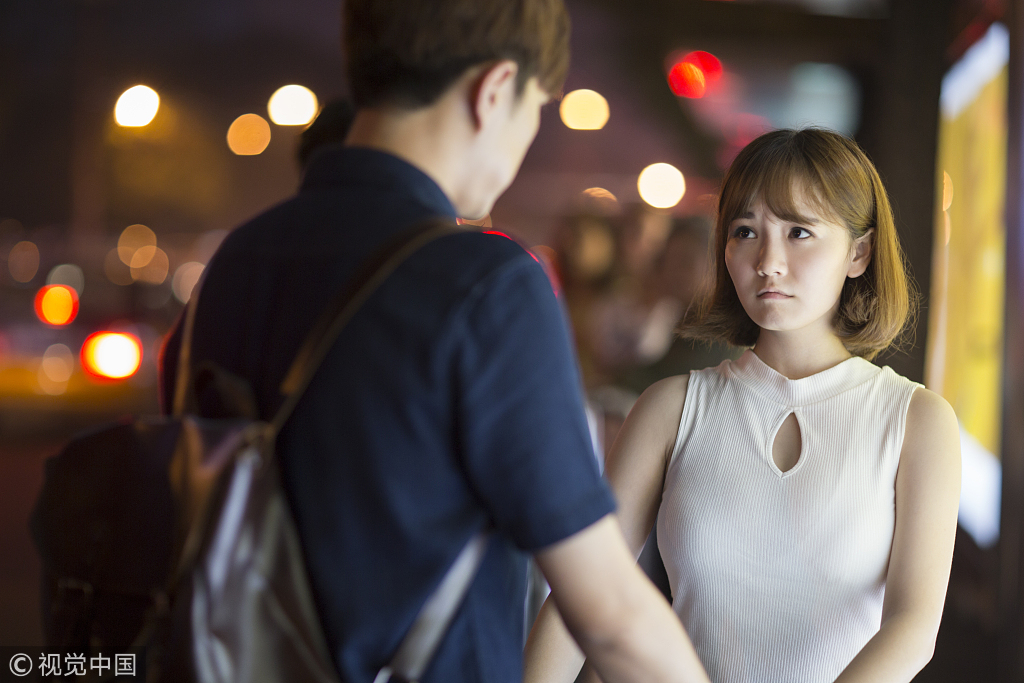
(422, 137)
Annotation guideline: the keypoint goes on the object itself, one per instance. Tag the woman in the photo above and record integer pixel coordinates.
(807, 498)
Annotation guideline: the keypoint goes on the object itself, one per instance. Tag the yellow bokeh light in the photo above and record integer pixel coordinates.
(132, 239)
(136, 106)
(599, 193)
(584, 110)
(23, 261)
(154, 271)
(661, 185)
(142, 256)
(111, 355)
(292, 105)
(248, 135)
(56, 304)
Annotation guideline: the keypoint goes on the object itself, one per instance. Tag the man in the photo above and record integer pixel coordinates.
(453, 390)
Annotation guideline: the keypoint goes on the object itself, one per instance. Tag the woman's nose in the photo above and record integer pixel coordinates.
(771, 259)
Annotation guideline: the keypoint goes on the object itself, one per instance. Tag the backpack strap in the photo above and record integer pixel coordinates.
(424, 636)
(345, 304)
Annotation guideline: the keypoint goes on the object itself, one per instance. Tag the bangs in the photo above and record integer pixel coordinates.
(786, 185)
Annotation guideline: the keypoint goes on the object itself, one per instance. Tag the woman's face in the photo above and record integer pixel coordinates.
(789, 275)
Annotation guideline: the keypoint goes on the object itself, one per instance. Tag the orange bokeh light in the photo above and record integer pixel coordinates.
(111, 355)
(56, 304)
(249, 135)
(687, 80)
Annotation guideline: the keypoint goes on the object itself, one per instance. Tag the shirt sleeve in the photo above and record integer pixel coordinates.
(522, 428)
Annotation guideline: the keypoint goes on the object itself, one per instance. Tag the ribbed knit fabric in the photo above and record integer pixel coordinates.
(779, 577)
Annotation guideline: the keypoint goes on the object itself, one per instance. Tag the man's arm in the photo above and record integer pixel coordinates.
(620, 620)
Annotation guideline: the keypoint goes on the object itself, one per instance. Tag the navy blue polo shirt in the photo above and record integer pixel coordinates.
(451, 402)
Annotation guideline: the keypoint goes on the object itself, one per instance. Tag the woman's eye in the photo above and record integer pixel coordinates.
(800, 233)
(742, 232)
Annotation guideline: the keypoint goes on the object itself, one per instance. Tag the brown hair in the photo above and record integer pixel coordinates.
(408, 52)
(842, 184)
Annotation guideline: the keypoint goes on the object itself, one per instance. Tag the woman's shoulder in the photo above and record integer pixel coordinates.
(665, 393)
(928, 411)
(659, 406)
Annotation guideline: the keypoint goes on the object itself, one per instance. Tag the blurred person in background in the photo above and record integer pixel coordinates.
(806, 499)
(454, 389)
(584, 262)
(678, 276)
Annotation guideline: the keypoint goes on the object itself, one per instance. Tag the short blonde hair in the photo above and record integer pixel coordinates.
(843, 185)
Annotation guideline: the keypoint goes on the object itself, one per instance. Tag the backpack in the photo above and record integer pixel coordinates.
(174, 533)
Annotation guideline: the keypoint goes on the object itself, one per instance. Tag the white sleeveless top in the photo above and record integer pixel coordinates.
(778, 577)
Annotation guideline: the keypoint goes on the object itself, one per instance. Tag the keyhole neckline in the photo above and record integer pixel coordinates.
(769, 451)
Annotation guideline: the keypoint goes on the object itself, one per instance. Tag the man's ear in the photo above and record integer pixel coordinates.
(863, 248)
(493, 85)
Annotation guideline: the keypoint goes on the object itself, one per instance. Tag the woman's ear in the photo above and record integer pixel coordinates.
(861, 252)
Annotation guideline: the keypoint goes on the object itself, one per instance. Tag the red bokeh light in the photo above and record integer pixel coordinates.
(709, 65)
(687, 80)
(694, 73)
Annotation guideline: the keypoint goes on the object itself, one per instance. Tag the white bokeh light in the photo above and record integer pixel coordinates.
(136, 107)
(292, 105)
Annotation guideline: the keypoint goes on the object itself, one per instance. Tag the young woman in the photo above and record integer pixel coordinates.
(806, 499)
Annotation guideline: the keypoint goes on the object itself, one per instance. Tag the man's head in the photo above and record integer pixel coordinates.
(455, 86)
(406, 53)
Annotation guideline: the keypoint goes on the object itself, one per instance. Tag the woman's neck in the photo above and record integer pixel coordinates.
(795, 356)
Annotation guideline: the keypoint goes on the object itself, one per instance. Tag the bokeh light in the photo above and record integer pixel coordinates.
(599, 193)
(56, 304)
(67, 274)
(111, 355)
(292, 105)
(136, 106)
(185, 279)
(599, 200)
(150, 265)
(661, 185)
(132, 239)
(249, 135)
(142, 256)
(116, 270)
(687, 80)
(23, 261)
(58, 363)
(584, 110)
(709, 65)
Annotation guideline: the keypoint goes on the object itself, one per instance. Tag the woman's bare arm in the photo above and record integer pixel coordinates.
(635, 468)
(927, 499)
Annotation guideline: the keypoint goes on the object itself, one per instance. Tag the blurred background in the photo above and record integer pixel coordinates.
(133, 136)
